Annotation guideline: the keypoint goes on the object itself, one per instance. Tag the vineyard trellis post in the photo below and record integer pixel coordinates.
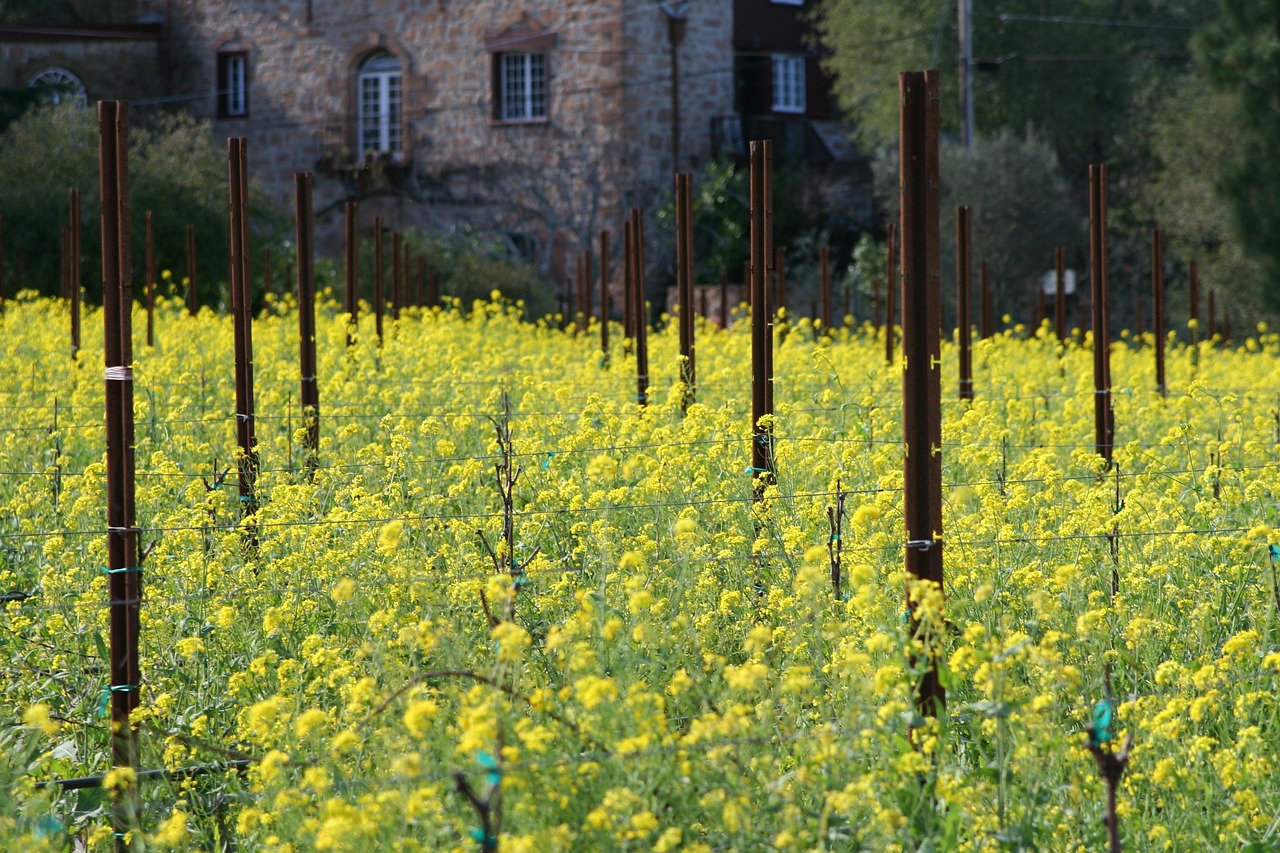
(921, 355)
(604, 298)
(73, 268)
(762, 458)
(891, 291)
(124, 571)
(309, 391)
(638, 311)
(351, 219)
(628, 284)
(1103, 417)
(151, 282)
(395, 275)
(1060, 293)
(242, 316)
(724, 299)
(684, 284)
(964, 273)
(192, 302)
(987, 312)
(1157, 305)
(824, 277)
(378, 295)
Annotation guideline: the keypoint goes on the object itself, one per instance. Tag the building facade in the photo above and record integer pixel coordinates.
(541, 120)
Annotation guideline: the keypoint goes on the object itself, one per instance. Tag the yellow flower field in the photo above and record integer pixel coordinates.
(671, 669)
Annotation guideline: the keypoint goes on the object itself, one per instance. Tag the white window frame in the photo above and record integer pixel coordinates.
(788, 83)
(236, 81)
(56, 76)
(379, 105)
(522, 87)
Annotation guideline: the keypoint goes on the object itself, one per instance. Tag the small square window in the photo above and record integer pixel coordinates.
(521, 87)
(233, 85)
(788, 84)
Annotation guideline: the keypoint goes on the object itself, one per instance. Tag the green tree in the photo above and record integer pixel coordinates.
(1239, 55)
(1082, 74)
(175, 171)
(1022, 210)
(1186, 196)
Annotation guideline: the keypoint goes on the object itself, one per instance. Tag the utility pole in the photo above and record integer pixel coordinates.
(966, 73)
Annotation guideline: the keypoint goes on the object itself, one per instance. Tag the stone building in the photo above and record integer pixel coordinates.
(84, 62)
(544, 120)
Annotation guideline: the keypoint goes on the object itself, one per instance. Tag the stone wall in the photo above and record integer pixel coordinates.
(112, 64)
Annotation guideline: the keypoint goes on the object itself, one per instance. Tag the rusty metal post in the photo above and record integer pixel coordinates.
(151, 283)
(124, 570)
(604, 297)
(762, 457)
(242, 313)
(1097, 282)
(352, 217)
(421, 279)
(378, 296)
(628, 298)
(309, 389)
(266, 272)
(964, 313)
(988, 309)
(73, 268)
(890, 294)
(192, 302)
(638, 311)
(780, 281)
(1157, 305)
(684, 285)
(921, 351)
(824, 273)
(724, 299)
(404, 275)
(769, 303)
(1060, 293)
(395, 275)
(64, 253)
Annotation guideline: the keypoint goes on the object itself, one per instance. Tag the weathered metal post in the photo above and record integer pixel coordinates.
(628, 284)
(242, 313)
(824, 273)
(890, 294)
(352, 216)
(1157, 305)
(73, 268)
(639, 312)
(684, 283)
(988, 310)
(309, 389)
(193, 304)
(395, 275)
(151, 283)
(378, 295)
(1060, 293)
(124, 570)
(604, 297)
(1098, 292)
(762, 458)
(921, 348)
(964, 314)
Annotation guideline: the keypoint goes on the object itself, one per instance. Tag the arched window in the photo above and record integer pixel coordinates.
(378, 107)
(61, 85)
